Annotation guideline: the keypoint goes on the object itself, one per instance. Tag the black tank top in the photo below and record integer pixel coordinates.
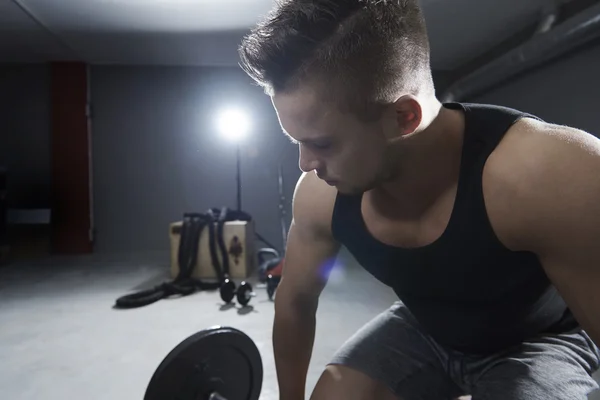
(466, 289)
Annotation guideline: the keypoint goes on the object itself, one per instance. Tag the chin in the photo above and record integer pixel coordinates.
(350, 191)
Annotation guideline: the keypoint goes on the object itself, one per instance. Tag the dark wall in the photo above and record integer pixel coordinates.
(25, 134)
(564, 92)
(157, 153)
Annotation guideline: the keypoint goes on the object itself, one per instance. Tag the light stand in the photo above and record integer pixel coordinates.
(234, 126)
(238, 155)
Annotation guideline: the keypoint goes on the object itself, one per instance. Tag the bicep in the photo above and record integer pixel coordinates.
(311, 248)
(308, 261)
(556, 214)
(578, 286)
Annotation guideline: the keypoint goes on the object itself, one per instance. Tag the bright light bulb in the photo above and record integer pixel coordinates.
(233, 124)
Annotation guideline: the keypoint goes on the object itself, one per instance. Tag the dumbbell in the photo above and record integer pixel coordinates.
(272, 283)
(243, 294)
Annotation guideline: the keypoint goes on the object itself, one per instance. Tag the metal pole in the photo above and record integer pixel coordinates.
(239, 178)
(282, 213)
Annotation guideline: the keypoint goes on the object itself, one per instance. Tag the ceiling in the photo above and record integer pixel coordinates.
(207, 32)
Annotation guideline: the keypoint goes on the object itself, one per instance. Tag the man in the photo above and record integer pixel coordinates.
(481, 218)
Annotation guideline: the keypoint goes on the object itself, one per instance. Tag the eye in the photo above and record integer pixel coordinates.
(324, 145)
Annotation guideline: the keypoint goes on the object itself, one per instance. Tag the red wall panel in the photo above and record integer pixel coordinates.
(71, 183)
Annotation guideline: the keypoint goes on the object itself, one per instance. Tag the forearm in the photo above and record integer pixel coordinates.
(293, 339)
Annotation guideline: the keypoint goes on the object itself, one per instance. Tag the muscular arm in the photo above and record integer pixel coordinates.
(310, 253)
(547, 181)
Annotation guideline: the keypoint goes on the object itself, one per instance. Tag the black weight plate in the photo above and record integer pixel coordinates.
(272, 283)
(244, 293)
(270, 290)
(227, 291)
(218, 359)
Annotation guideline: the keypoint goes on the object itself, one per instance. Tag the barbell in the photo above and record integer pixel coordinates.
(218, 363)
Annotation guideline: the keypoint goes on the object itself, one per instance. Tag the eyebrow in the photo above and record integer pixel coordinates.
(307, 141)
(294, 141)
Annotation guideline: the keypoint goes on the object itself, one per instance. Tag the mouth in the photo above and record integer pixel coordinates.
(330, 182)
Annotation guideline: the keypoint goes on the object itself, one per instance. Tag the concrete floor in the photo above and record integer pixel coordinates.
(60, 338)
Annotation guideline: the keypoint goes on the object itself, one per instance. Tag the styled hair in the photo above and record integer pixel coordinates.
(366, 52)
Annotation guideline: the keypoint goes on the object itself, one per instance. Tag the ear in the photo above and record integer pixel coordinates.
(409, 114)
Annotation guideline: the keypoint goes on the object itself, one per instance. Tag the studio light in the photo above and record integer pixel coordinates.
(233, 124)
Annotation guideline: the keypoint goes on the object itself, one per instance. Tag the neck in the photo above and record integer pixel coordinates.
(427, 162)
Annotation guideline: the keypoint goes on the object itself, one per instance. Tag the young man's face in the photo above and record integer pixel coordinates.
(344, 151)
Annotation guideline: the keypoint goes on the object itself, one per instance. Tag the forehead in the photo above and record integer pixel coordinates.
(303, 110)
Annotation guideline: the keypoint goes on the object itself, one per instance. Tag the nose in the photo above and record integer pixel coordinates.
(308, 162)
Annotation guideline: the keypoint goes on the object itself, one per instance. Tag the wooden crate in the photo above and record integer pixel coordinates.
(240, 244)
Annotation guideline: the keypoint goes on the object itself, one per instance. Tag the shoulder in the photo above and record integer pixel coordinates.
(536, 171)
(313, 203)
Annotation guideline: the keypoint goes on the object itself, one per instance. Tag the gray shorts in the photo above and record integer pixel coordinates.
(394, 350)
